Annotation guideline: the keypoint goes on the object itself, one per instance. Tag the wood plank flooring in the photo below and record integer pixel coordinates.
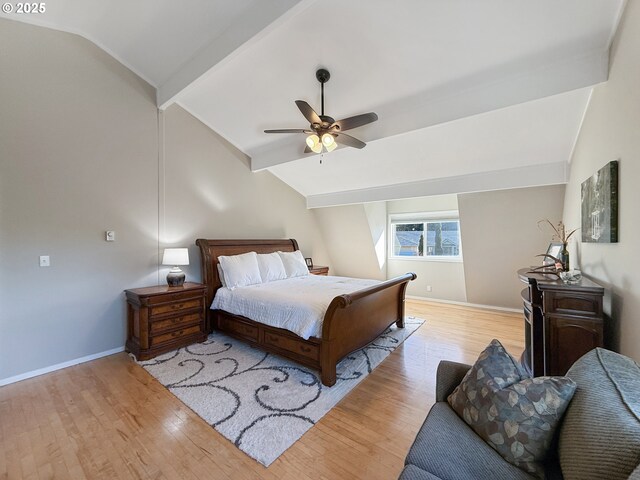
(109, 419)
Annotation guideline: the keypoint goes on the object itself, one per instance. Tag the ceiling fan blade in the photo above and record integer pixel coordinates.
(308, 112)
(356, 121)
(307, 149)
(348, 140)
(288, 130)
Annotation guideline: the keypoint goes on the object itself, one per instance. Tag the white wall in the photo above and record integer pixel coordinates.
(79, 154)
(445, 278)
(611, 131)
(500, 235)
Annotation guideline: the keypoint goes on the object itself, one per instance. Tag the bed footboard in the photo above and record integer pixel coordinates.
(354, 320)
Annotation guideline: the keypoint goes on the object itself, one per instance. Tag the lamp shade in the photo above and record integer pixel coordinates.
(175, 256)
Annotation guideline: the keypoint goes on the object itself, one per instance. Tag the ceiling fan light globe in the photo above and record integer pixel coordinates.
(327, 140)
(312, 141)
(332, 147)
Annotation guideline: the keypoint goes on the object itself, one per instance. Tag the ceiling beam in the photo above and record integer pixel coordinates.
(492, 90)
(263, 18)
(520, 177)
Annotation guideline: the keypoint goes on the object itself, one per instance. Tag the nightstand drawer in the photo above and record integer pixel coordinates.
(179, 296)
(167, 337)
(319, 270)
(175, 322)
(175, 307)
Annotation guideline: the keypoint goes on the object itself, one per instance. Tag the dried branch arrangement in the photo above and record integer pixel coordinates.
(559, 231)
(559, 235)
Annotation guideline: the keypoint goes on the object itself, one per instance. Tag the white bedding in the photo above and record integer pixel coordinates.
(296, 304)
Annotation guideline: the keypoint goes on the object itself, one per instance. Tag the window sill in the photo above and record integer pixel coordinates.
(428, 259)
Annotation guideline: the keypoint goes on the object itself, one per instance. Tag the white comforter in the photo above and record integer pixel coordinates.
(295, 304)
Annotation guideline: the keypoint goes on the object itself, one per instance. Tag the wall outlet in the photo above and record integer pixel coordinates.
(110, 236)
(44, 261)
(428, 288)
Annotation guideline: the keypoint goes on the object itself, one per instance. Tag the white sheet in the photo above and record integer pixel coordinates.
(296, 304)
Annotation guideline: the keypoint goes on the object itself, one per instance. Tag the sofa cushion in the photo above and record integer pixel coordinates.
(411, 472)
(600, 434)
(447, 448)
(515, 414)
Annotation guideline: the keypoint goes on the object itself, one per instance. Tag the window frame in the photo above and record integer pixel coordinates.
(424, 218)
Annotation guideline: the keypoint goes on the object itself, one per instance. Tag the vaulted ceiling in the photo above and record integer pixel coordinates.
(470, 95)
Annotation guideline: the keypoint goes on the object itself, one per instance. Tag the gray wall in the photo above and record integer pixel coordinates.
(78, 156)
(610, 132)
(500, 235)
(348, 238)
(80, 153)
(445, 278)
(210, 192)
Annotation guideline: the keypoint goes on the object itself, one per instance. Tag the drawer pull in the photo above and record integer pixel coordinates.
(305, 349)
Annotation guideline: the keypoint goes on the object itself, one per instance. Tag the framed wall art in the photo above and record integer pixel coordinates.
(599, 202)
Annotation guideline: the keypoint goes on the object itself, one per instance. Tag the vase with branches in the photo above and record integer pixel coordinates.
(559, 235)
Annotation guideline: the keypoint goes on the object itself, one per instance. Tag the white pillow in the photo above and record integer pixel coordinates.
(294, 264)
(221, 275)
(271, 267)
(240, 270)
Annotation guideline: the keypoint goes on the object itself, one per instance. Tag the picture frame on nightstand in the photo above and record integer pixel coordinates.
(309, 262)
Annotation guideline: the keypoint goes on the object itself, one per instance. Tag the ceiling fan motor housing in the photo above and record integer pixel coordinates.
(323, 75)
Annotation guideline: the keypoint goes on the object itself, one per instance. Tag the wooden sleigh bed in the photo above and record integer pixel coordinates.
(351, 322)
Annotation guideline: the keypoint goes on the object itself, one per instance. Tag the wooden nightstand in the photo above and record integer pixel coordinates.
(163, 318)
(319, 270)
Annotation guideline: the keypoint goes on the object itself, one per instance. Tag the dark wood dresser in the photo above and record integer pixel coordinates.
(563, 321)
(163, 318)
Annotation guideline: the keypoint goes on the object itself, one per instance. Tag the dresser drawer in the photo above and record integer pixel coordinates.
(175, 322)
(291, 345)
(176, 306)
(167, 337)
(572, 303)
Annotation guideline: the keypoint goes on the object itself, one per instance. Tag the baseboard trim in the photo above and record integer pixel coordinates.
(465, 304)
(59, 366)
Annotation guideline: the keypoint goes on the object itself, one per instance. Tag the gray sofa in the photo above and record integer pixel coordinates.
(599, 437)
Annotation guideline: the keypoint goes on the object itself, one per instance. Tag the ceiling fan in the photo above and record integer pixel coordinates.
(323, 130)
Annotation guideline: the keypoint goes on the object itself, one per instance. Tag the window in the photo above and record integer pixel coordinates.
(428, 238)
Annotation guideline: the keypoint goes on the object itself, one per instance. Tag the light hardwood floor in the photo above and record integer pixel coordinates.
(109, 419)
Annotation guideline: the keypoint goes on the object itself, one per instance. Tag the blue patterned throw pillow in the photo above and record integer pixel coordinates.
(515, 414)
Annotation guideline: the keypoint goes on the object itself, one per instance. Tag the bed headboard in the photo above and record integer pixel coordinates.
(210, 250)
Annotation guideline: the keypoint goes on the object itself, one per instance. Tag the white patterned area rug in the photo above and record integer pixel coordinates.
(263, 403)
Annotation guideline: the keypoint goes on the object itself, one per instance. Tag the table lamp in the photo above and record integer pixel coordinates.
(175, 257)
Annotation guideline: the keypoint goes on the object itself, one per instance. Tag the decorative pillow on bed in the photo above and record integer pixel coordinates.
(240, 270)
(271, 267)
(294, 264)
(515, 414)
